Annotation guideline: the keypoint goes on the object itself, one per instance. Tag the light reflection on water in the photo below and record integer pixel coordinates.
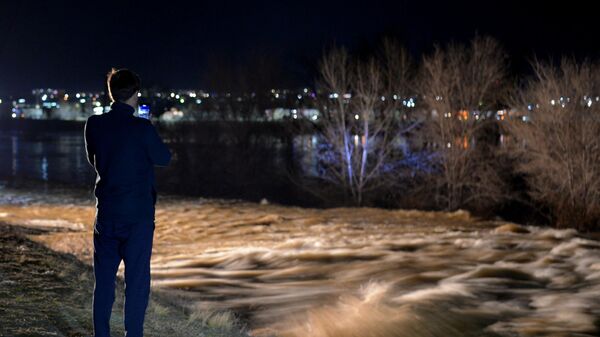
(45, 157)
(15, 154)
(249, 171)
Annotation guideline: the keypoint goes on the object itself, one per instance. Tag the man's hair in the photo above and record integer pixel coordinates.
(122, 84)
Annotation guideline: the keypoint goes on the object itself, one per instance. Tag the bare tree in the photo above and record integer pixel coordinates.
(459, 85)
(556, 139)
(359, 122)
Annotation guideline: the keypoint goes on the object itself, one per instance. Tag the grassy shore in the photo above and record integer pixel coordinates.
(46, 293)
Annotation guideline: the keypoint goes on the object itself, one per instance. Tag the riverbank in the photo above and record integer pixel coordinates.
(47, 293)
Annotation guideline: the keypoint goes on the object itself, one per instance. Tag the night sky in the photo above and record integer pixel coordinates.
(177, 44)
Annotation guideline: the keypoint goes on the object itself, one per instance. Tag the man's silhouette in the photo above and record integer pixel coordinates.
(123, 149)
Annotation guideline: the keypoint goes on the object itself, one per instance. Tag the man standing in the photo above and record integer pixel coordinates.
(123, 149)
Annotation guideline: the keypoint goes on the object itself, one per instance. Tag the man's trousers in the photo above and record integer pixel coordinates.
(130, 241)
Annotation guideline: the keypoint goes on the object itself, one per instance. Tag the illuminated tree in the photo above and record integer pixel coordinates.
(360, 120)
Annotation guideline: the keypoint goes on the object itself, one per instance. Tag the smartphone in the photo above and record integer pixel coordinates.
(144, 111)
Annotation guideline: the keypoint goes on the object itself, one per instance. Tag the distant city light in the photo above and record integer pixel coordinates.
(47, 99)
(14, 115)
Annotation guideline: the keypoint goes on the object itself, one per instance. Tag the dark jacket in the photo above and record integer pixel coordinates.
(124, 149)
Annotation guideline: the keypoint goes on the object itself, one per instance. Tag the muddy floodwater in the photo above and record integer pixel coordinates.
(346, 272)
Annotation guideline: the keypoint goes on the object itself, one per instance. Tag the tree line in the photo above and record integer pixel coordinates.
(477, 138)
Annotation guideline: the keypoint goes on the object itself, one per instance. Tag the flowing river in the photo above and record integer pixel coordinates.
(297, 272)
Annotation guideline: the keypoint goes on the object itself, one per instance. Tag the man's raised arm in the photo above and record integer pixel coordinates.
(157, 150)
